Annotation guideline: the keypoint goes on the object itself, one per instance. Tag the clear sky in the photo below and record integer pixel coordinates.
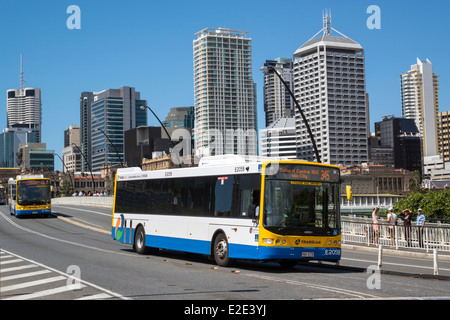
(147, 44)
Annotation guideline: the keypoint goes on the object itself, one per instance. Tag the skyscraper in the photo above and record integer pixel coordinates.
(225, 99)
(24, 107)
(105, 116)
(402, 136)
(330, 87)
(277, 100)
(420, 101)
(444, 135)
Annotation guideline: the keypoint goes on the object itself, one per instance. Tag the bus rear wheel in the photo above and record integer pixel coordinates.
(221, 251)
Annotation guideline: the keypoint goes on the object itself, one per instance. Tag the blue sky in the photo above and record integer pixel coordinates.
(148, 44)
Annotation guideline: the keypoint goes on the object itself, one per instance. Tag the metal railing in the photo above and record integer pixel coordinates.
(363, 231)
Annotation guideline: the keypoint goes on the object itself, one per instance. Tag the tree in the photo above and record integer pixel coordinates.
(434, 204)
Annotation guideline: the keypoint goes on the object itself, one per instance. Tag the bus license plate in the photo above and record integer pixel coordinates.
(307, 254)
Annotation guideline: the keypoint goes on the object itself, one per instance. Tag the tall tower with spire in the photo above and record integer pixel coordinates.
(23, 106)
(329, 84)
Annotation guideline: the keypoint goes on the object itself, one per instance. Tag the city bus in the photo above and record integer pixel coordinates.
(3, 195)
(29, 195)
(284, 211)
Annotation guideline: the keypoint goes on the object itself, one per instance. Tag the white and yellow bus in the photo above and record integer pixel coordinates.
(283, 211)
(29, 195)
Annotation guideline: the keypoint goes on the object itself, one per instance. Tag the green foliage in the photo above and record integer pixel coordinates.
(434, 204)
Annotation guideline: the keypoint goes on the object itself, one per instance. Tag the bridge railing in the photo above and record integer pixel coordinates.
(363, 231)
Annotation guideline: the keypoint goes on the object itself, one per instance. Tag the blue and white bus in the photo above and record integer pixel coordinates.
(282, 211)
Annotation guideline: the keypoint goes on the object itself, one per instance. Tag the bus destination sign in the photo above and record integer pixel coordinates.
(305, 172)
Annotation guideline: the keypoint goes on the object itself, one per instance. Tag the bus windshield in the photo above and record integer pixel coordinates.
(296, 207)
(33, 192)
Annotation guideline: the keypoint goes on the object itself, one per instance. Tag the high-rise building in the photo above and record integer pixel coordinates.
(180, 117)
(23, 106)
(402, 137)
(330, 87)
(72, 135)
(71, 155)
(10, 141)
(277, 100)
(225, 98)
(444, 135)
(105, 116)
(420, 101)
(35, 156)
(278, 139)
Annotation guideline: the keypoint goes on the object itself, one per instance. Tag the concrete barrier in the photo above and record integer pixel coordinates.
(102, 202)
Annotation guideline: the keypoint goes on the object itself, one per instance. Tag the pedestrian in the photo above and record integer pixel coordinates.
(407, 216)
(376, 226)
(420, 223)
(392, 221)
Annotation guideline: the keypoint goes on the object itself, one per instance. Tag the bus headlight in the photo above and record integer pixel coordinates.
(267, 241)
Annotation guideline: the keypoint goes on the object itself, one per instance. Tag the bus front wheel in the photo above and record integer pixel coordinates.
(221, 251)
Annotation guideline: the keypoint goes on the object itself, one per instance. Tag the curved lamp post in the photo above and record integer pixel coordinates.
(162, 125)
(305, 121)
(85, 159)
(67, 169)
(110, 142)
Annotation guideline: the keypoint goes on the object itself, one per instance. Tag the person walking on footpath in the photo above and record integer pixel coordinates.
(376, 226)
(407, 217)
(420, 223)
(392, 221)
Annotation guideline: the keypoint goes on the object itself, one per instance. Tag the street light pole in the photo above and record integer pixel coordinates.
(110, 142)
(162, 125)
(89, 166)
(305, 121)
(68, 172)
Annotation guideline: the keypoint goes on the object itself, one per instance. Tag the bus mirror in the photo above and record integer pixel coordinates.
(349, 193)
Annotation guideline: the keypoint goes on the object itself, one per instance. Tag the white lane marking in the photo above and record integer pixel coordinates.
(99, 296)
(91, 211)
(28, 266)
(356, 294)
(43, 293)
(9, 261)
(31, 284)
(24, 275)
(116, 295)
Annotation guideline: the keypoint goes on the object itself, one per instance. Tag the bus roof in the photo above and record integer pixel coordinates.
(29, 176)
(211, 166)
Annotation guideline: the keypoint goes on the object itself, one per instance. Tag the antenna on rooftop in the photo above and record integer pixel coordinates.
(22, 81)
(21, 71)
(327, 22)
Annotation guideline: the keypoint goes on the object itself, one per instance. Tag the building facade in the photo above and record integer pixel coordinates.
(444, 135)
(402, 136)
(10, 141)
(420, 101)
(225, 94)
(278, 139)
(105, 116)
(24, 109)
(180, 117)
(330, 87)
(278, 102)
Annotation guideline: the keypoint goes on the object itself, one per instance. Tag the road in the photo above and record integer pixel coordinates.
(50, 255)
